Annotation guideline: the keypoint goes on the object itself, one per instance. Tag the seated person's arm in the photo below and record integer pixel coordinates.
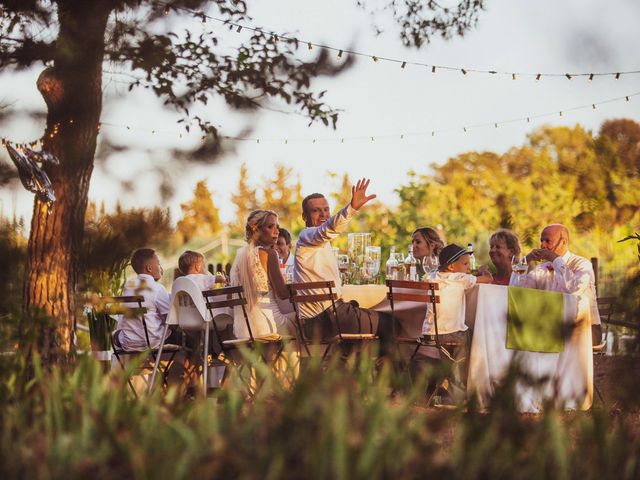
(485, 277)
(269, 261)
(163, 303)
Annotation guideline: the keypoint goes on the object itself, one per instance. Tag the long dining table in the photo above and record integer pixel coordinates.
(565, 378)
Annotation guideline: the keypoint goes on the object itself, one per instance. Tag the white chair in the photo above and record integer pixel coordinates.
(189, 312)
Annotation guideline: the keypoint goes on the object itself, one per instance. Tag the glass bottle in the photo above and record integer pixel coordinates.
(392, 265)
(410, 264)
(472, 257)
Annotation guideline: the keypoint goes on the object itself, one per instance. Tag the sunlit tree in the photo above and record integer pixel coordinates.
(200, 217)
(74, 41)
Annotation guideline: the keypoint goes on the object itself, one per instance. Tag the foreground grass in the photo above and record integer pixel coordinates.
(344, 422)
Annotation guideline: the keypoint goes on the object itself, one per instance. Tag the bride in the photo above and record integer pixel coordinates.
(256, 269)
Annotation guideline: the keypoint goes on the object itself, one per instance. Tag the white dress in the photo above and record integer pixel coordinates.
(265, 317)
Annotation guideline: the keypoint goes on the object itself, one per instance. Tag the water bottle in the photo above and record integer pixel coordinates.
(472, 257)
(392, 265)
(410, 266)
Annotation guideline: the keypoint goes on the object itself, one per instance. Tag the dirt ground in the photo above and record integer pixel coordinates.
(617, 379)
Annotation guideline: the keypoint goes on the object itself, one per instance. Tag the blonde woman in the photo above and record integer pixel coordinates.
(256, 269)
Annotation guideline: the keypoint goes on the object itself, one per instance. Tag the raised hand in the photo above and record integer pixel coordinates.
(359, 194)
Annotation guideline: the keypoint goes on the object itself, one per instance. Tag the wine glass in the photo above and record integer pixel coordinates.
(519, 267)
(431, 265)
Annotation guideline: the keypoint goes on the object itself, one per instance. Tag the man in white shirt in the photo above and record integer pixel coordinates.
(130, 334)
(315, 261)
(283, 247)
(562, 271)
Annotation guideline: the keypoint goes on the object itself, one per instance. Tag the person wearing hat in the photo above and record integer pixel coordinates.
(453, 279)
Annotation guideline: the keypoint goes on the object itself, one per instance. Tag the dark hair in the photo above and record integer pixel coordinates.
(306, 199)
(284, 233)
(188, 259)
(140, 258)
(511, 240)
(432, 238)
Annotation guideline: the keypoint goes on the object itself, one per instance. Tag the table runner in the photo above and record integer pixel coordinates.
(534, 320)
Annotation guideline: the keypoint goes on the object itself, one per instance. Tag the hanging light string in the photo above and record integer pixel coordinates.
(237, 27)
(335, 139)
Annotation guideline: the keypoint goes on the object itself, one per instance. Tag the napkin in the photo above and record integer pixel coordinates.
(535, 320)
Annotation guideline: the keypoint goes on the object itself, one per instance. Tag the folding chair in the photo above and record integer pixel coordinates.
(188, 311)
(217, 301)
(606, 308)
(117, 306)
(322, 291)
(421, 292)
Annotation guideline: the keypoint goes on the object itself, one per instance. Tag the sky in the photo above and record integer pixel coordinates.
(375, 99)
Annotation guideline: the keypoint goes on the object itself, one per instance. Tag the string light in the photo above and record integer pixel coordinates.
(55, 129)
(568, 76)
(513, 76)
(310, 44)
(404, 64)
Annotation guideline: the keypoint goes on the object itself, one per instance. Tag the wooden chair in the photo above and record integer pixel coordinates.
(606, 308)
(322, 291)
(118, 306)
(422, 292)
(219, 299)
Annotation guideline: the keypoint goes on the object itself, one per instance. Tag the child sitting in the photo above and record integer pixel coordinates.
(193, 265)
(454, 278)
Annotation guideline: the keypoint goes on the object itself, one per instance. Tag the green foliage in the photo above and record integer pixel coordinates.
(200, 216)
(562, 175)
(109, 240)
(337, 422)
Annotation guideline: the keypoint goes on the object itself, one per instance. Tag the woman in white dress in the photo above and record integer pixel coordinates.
(256, 268)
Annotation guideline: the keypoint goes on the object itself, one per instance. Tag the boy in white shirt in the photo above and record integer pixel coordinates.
(453, 279)
(130, 334)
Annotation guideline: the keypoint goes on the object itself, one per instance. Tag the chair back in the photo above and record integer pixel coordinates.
(312, 292)
(606, 308)
(219, 301)
(188, 309)
(420, 292)
(130, 306)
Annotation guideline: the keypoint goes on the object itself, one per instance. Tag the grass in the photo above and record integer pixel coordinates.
(345, 421)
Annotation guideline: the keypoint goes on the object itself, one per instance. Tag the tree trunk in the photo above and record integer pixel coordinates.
(72, 90)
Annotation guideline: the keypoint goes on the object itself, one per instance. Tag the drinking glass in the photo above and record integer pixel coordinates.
(519, 267)
(372, 256)
(431, 265)
(343, 266)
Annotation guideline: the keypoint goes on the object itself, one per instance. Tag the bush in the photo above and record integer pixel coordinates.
(76, 422)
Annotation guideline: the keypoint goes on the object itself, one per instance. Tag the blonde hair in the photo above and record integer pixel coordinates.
(256, 220)
(509, 238)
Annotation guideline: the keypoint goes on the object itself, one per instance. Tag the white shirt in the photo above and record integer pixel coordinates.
(204, 281)
(567, 274)
(451, 309)
(315, 260)
(157, 303)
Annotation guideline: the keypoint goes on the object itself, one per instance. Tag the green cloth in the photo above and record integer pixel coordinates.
(535, 320)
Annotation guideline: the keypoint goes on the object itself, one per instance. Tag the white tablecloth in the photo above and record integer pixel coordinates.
(569, 374)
